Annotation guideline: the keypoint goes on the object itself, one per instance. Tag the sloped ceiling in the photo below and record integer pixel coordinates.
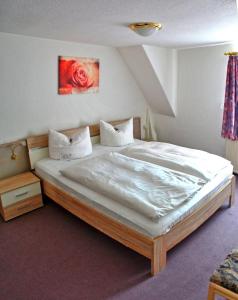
(155, 70)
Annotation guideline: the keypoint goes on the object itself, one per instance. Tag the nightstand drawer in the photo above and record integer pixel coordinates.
(22, 207)
(20, 194)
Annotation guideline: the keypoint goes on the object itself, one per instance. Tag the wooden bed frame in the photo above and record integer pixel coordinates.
(153, 248)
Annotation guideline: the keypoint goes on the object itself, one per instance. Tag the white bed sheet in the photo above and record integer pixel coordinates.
(49, 170)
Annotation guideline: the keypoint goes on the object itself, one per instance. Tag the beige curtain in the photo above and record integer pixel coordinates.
(232, 153)
(150, 134)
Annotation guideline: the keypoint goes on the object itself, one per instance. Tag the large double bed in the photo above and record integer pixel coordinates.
(121, 222)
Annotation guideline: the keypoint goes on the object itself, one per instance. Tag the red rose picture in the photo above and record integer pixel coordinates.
(78, 75)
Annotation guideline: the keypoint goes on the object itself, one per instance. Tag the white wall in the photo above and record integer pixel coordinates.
(201, 89)
(29, 103)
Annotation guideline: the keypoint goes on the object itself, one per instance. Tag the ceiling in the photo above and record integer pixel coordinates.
(186, 23)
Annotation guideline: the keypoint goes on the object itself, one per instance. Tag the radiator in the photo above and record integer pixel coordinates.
(232, 153)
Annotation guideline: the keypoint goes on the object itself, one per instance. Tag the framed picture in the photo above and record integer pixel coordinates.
(78, 75)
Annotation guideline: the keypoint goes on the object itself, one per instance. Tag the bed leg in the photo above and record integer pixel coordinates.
(158, 260)
(233, 191)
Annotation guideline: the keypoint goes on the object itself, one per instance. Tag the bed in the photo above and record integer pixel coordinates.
(152, 240)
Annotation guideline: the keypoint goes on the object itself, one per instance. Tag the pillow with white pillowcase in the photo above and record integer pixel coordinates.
(118, 135)
(67, 148)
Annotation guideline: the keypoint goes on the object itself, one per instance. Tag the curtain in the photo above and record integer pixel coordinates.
(150, 134)
(230, 114)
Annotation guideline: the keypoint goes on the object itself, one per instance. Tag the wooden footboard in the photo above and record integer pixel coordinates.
(153, 248)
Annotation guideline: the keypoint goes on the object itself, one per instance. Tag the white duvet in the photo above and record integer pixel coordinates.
(151, 190)
(190, 161)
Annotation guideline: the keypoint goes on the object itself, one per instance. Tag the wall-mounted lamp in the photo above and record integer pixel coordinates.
(146, 28)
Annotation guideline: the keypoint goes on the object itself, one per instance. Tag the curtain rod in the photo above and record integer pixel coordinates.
(231, 53)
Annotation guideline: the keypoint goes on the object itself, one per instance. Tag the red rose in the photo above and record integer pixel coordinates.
(76, 76)
(81, 75)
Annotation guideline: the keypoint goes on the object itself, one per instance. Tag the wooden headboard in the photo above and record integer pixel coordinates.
(38, 145)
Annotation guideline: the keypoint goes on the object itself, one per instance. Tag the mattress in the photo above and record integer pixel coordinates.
(49, 170)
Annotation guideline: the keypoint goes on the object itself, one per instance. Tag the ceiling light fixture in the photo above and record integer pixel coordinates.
(145, 29)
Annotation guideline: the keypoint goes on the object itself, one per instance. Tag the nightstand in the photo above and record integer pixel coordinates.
(19, 194)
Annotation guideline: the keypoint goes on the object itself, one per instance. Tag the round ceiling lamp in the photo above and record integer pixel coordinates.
(146, 28)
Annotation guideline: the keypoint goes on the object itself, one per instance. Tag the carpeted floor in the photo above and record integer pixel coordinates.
(50, 254)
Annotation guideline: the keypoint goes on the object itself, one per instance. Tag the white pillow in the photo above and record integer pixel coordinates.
(64, 147)
(118, 135)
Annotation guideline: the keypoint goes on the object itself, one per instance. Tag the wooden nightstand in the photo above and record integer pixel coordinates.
(19, 194)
